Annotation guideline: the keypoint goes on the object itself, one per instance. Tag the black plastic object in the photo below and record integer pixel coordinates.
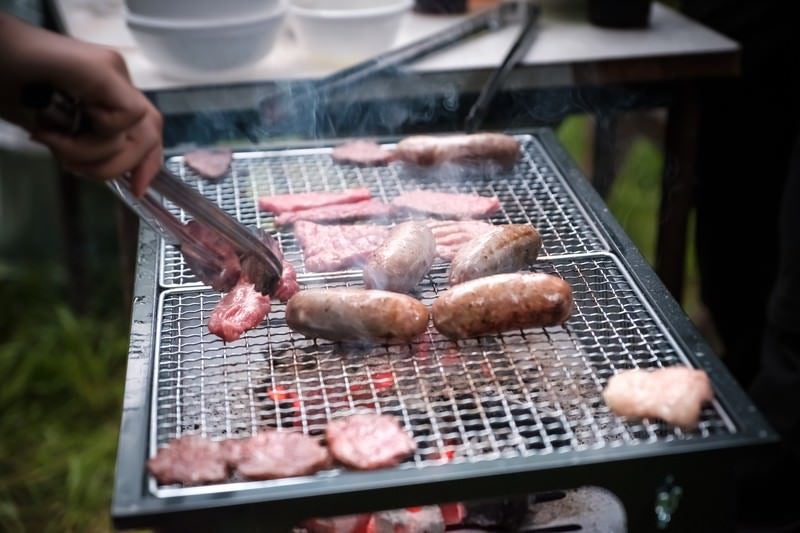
(620, 13)
(441, 6)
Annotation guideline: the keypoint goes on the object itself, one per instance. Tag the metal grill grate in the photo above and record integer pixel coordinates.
(534, 192)
(522, 393)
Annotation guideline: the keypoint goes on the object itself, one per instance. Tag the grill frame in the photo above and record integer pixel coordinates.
(134, 504)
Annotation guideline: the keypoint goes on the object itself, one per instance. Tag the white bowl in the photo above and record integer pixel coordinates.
(346, 31)
(205, 50)
(197, 10)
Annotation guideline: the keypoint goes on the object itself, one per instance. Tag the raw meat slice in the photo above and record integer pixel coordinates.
(674, 394)
(191, 460)
(276, 454)
(210, 164)
(451, 235)
(363, 153)
(447, 205)
(368, 209)
(368, 441)
(242, 309)
(287, 286)
(281, 203)
(337, 247)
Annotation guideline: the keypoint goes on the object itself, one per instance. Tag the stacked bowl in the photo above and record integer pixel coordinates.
(203, 38)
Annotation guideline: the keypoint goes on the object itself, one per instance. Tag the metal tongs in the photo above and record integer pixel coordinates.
(217, 247)
(280, 102)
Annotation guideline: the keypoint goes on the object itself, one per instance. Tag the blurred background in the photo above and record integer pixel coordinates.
(63, 352)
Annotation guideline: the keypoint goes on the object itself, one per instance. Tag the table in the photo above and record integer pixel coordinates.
(572, 67)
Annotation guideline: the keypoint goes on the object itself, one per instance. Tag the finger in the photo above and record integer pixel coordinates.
(138, 145)
(121, 115)
(144, 174)
(83, 149)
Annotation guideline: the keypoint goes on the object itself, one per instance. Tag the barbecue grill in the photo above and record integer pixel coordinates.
(497, 415)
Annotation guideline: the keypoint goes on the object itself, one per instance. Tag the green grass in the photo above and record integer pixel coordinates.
(61, 401)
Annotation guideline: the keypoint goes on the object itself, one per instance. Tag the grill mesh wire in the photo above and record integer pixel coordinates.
(534, 192)
(520, 393)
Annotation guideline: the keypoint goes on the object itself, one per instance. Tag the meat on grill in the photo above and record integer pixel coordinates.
(281, 203)
(240, 310)
(352, 314)
(447, 205)
(191, 460)
(507, 248)
(368, 441)
(337, 247)
(451, 235)
(210, 164)
(368, 209)
(429, 150)
(673, 394)
(274, 454)
(210, 258)
(502, 302)
(399, 263)
(362, 152)
(287, 286)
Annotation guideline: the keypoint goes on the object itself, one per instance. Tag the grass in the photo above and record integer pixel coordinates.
(63, 374)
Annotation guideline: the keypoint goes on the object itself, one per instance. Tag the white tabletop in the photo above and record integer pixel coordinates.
(565, 38)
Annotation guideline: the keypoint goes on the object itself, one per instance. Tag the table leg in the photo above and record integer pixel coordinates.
(605, 141)
(677, 189)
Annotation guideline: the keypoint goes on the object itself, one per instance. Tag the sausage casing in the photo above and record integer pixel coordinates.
(502, 302)
(402, 260)
(430, 150)
(505, 249)
(351, 314)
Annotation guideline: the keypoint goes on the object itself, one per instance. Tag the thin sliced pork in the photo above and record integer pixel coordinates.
(209, 164)
(368, 441)
(362, 152)
(191, 460)
(337, 247)
(368, 209)
(674, 394)
(273, 454)
(240, 310)
(451, 235)
(447, 205)
(281, 203)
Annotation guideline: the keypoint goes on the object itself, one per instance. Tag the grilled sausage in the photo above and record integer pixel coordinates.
(401, 261)
(502, 302)
(505, 249)
(350, 314)
(430, 150)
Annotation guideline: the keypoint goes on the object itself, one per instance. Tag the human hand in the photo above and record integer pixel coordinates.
(126, 129)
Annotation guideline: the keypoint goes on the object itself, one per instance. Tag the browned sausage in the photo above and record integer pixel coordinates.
(350, 314)
(502, 302)
(429, 150)
(505, 249)
(401, 261)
